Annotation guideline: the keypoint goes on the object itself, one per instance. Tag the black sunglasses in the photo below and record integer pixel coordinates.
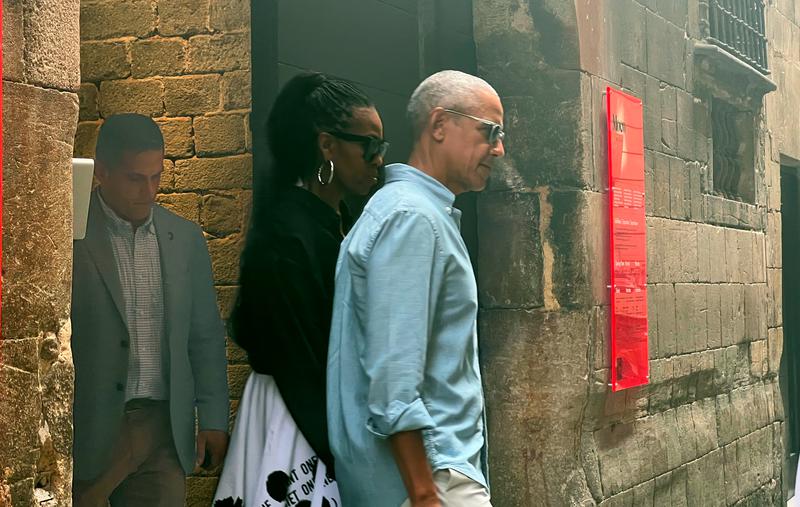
(494, 131)
(372, 145)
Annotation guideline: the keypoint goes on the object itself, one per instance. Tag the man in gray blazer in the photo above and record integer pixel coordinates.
(147, 339)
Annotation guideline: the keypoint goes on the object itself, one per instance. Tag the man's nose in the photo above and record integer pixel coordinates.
(498, 150)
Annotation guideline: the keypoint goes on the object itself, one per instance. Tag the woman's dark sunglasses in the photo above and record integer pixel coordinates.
(372, 145)
(494, 131)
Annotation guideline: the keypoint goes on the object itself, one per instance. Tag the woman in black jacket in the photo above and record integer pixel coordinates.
(326, 141)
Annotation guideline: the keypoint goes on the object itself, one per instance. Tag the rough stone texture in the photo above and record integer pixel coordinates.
(188, 67)
(132, 96)
(182, 17)
(706, 430)
(102, 61)
(192, 95)
(219, 134)
(105, 19)
(41, 42)
(218, 53)
(158, 57)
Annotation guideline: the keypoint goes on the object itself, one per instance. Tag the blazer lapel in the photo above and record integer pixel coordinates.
(98, 243)
(171, 263)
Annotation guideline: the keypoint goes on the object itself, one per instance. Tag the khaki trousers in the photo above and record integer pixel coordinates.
(457, 490)
(144, 469)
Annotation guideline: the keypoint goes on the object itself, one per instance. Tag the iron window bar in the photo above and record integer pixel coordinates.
(738, 27)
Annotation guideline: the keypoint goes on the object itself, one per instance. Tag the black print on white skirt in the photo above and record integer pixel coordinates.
(286, 488)
(229, 502)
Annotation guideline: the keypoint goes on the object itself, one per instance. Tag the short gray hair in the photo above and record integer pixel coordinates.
(450, 89)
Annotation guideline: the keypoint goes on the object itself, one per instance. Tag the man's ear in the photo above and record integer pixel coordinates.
(325, 144)
(436, 124)
(100, 171)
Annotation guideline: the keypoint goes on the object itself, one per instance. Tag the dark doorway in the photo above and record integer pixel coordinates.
(385, 46)
(790, 361)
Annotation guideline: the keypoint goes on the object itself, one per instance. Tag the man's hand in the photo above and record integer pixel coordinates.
(213, 443)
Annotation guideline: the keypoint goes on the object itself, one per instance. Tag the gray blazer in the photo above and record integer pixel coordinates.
(194, 340)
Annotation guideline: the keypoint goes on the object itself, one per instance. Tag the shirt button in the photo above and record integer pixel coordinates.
(449, 210)
(120, 387)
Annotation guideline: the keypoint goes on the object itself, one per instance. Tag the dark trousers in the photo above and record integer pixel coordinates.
(144, 469)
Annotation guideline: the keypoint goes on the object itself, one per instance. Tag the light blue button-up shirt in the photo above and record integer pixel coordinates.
(404, 352)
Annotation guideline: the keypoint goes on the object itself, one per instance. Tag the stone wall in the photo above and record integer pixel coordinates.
(186, 63)
(707, 430)
(40, 111)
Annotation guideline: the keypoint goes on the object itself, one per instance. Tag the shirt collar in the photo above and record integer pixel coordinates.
(120, 224)
(404, 172)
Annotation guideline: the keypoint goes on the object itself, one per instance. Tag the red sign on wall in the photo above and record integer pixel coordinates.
(629, 356)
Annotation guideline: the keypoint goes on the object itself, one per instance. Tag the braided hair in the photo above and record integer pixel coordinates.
(308, 104)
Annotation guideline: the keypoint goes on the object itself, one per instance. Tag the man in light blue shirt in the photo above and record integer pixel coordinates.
(405, 401)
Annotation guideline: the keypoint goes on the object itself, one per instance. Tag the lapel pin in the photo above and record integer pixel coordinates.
(170, 235)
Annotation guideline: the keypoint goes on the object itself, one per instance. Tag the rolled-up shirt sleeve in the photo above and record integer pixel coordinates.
(399, 283)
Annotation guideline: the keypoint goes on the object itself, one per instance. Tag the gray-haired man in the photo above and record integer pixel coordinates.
(404, 384)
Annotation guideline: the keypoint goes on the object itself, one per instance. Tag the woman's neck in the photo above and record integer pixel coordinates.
(329, 194)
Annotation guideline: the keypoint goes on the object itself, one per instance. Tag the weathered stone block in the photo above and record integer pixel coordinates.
(681, 239)
(759, 358)
(105, 60)
(192, 95)
(706, 480)
(167, 177)
(775, 294)
(225, 258)
(509, 343)
(629, 35)
(663, 296)
(186, 205)
(101, 19)
(755, 307)
(221, 214)
(178, 137)
(219, 52)
(13, 41)
(669, 102)
(580, 250)
(669, 136)
(221, 173)
(37, 232)
(732, 313)
(773, 240)
(226, 298)
(86, 139)
(230, 15)
(542, 146)
(20, 414)
(714, 316)
(661, 199)
(144, 96)
(182, 17)
(665, 50)
(158, 57)
(775, 345)
(679, 189)
(655, 251)
(691, 309)
(51, 42)
(236, 90)
(87, 98)
(219, 134)
(513, 280)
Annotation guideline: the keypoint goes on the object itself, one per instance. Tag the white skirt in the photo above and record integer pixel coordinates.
(269, 462)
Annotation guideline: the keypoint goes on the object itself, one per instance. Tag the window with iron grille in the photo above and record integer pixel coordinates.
(738, 27)
(733, 134)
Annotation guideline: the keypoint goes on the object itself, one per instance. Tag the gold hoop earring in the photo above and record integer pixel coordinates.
(319, 174)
